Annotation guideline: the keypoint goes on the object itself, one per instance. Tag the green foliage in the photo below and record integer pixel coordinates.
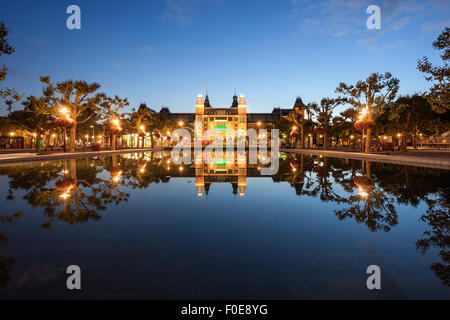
(439, 95)
(75, 96)
(5, 48)
(374, 93)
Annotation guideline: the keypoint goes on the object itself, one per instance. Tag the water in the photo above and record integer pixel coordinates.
(136, 226)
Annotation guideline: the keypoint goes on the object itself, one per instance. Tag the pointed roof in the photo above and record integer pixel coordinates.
(299, 104)
(207, 104)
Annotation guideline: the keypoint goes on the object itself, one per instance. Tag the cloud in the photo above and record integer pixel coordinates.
(399, 24)
(338, 18)
(37, 41)
(332, 17)
(148, 49)
(434, 25)
(181, 11)
(372, 36)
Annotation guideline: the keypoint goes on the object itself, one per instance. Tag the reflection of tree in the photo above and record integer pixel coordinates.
(320, 183)
(86, 194)
(376, 210)
(141, 172)
(438, 218)
(6, 263)
(80, 195)
(5, 266)
(371, 206)
(372, 197)
(8, 219)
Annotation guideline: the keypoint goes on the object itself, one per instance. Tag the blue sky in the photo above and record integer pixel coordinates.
(164, 52)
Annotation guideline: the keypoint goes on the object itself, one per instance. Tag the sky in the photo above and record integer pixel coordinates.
(165, 52)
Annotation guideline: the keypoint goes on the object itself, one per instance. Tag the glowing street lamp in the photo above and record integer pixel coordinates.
(180, 123)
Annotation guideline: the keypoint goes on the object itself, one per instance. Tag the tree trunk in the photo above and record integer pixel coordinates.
(114, 142)
(368, 169)
(37, 142)
(302, 138)
(325, 140)
(73, 169)
(368, 135)
(73, 132)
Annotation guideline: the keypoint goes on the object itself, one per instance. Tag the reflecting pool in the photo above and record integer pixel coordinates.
(140, 226)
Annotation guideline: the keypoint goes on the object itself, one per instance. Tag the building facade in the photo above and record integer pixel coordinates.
(233, 117)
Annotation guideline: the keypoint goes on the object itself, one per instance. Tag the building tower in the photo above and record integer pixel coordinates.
(199, 115)
(242, 112)
(299, 107)
(235, 101)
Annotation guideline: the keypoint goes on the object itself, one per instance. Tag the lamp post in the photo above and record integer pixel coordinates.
(67, 121)
(362, 115)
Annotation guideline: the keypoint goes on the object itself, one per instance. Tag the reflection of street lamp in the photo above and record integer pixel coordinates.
(362, 192)
(66, 193)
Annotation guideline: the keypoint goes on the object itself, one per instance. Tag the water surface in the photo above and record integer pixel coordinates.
(141, 227)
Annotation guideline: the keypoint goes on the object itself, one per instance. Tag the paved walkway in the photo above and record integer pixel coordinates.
(27, 157)
(439, 160)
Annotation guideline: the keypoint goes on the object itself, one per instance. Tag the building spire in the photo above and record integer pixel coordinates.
(207, 104)
(235, 100)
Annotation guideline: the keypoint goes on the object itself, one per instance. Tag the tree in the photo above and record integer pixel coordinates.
(407, 113)
(374, 94)
(439, 95)
(148, 120)
(36, 117)
(323, 114)
(109, 110)
(76, 97)
(6, 48)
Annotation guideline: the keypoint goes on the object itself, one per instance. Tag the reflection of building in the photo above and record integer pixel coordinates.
(231, 170)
